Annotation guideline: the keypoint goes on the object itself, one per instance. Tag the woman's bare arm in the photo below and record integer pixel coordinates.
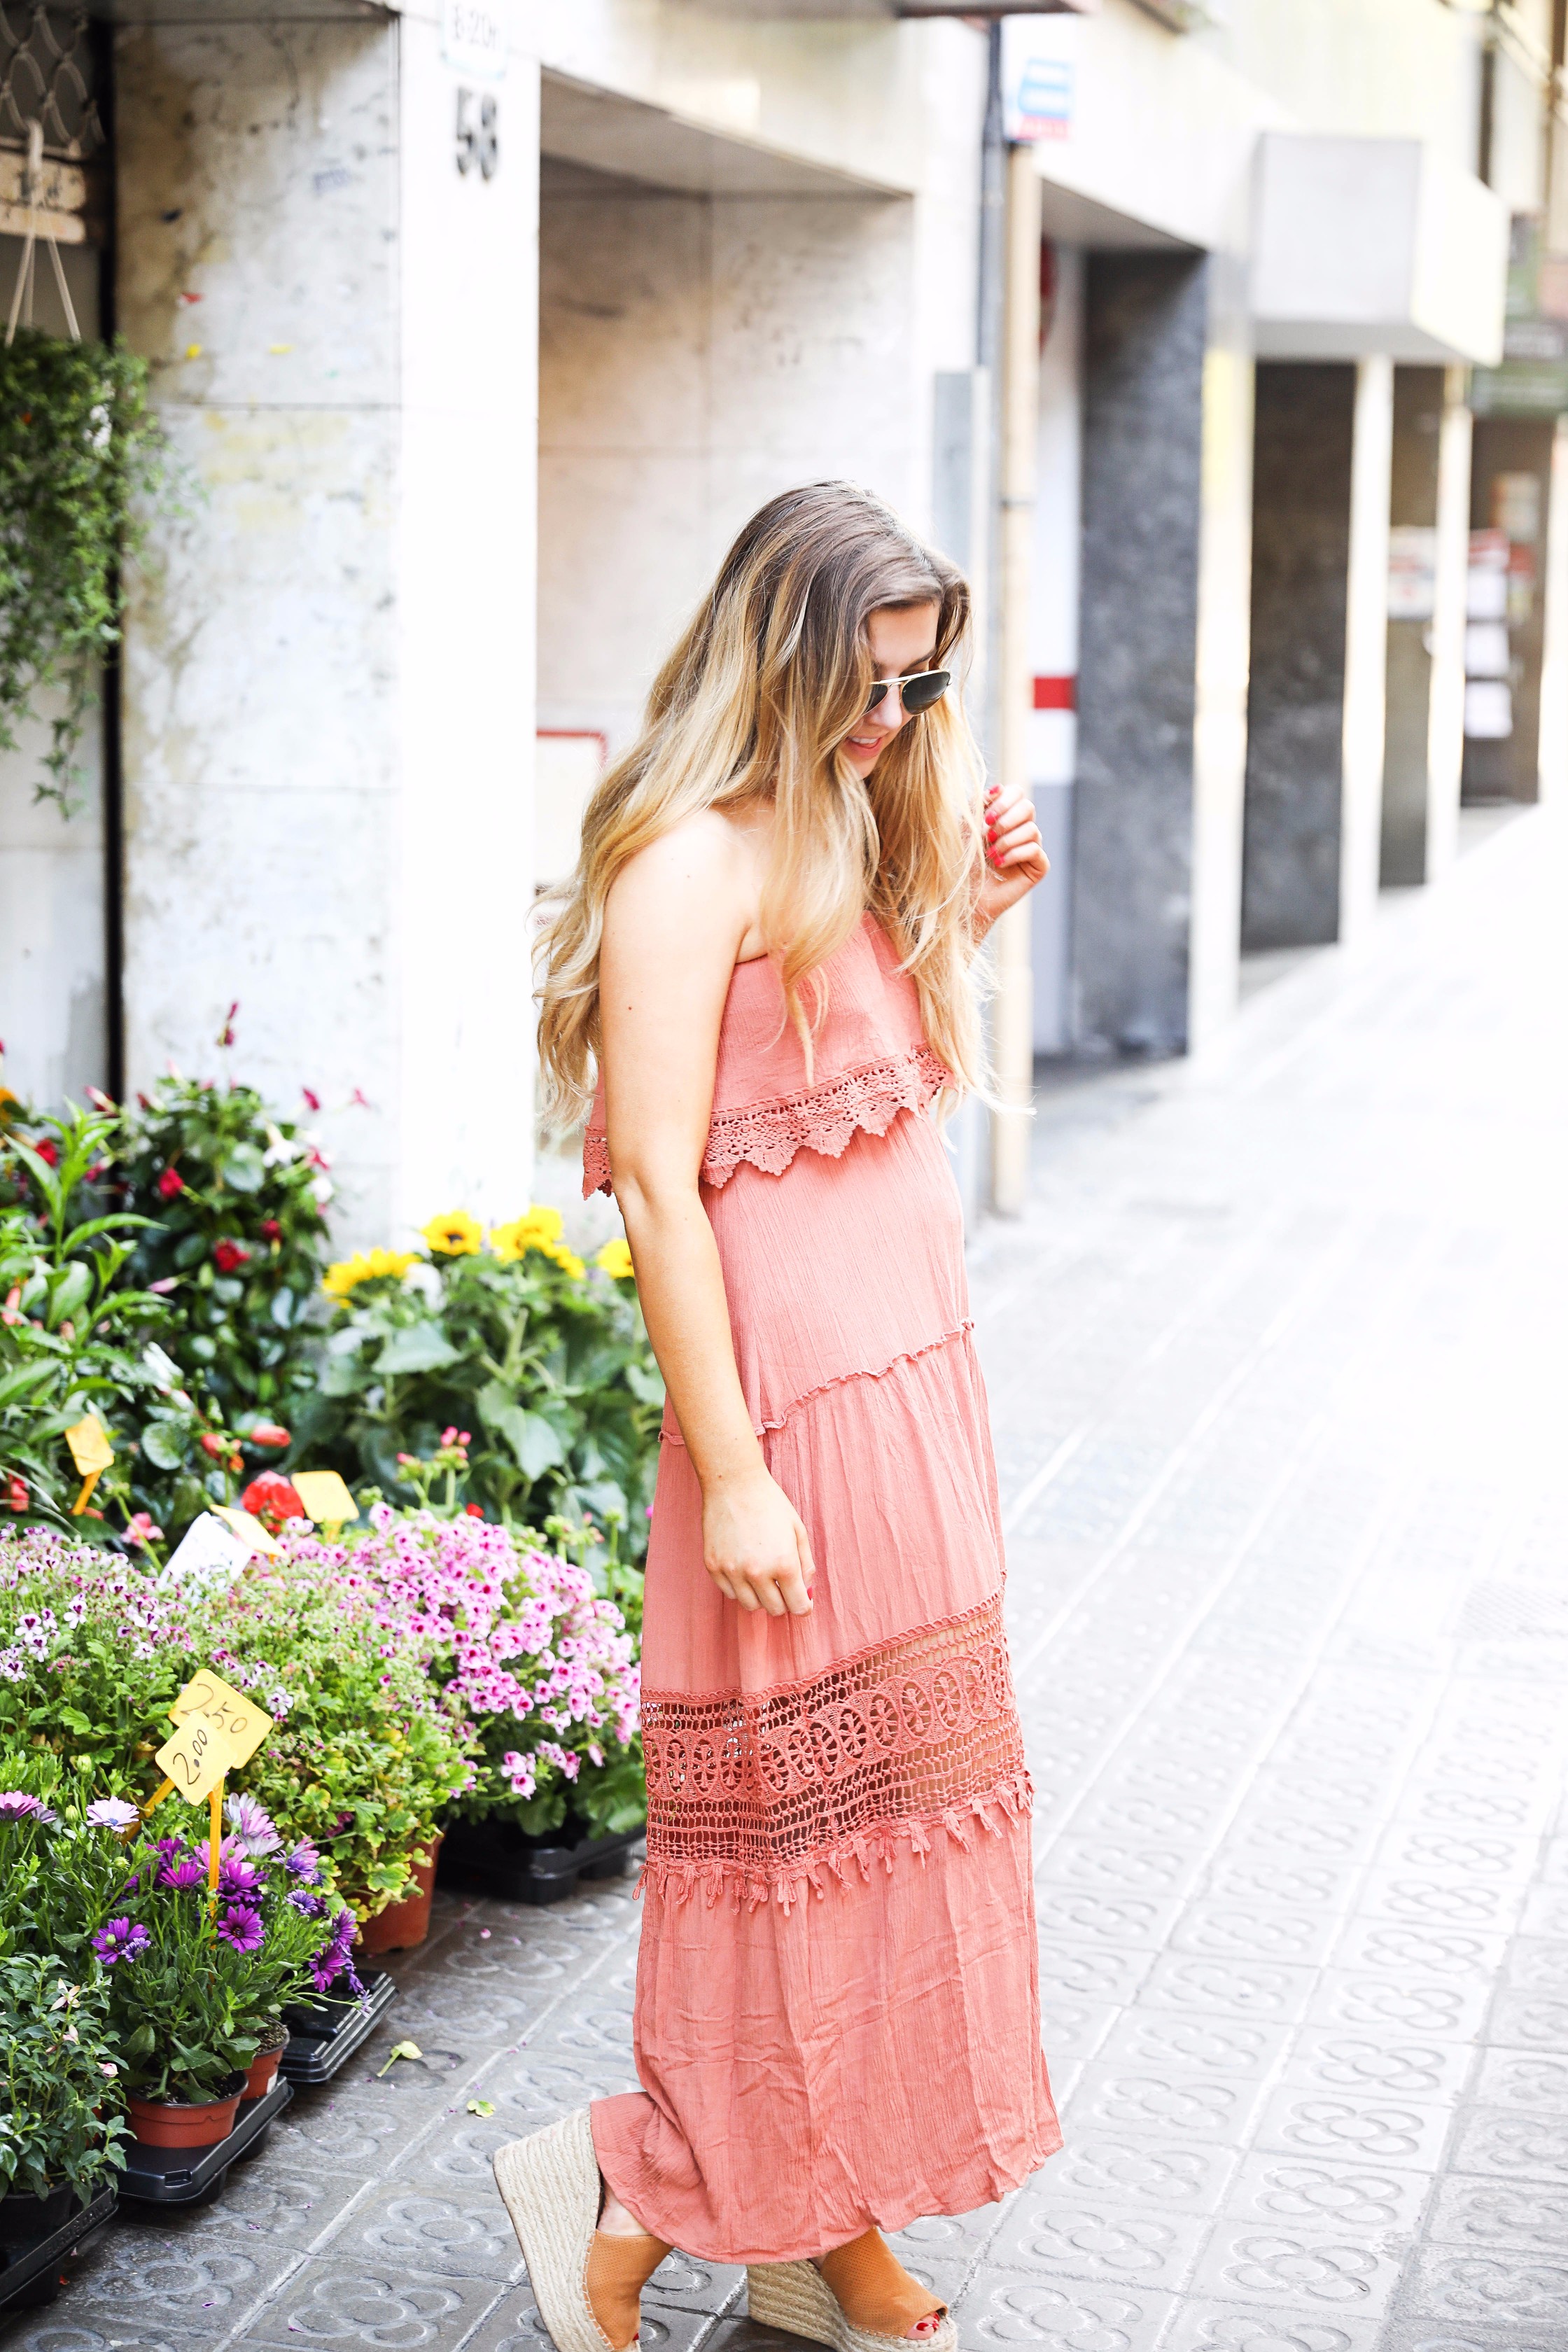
(675, 920)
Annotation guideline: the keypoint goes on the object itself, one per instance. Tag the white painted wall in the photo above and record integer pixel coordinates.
(329, 720)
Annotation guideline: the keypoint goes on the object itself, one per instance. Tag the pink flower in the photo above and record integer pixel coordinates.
(170, 1182)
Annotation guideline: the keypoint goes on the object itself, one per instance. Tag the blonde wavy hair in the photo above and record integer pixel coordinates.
(755, 703)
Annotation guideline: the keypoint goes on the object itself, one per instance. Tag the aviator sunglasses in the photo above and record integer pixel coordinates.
(917, 693)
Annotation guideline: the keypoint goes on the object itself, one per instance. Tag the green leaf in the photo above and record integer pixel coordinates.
(164, 1444)
(532, 1440)
(245, 1169)
(421, 1347)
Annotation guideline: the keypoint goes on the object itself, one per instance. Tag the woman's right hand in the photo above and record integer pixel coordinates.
(755, 1545)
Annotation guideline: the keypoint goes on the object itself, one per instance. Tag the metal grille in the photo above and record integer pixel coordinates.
(47, 76)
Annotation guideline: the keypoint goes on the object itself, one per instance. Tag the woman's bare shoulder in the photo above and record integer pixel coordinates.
(706, 865)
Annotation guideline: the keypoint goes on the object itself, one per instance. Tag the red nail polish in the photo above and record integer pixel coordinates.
(811, 1592)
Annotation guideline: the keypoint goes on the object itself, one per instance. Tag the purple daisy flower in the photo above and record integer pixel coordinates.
(252, 1826)
(17, 1805)
(242, 1928)
(302, 1861)
(191, 1872)
(113, 1813)
(238, 1878)
(309, 1905)
(120, 1941)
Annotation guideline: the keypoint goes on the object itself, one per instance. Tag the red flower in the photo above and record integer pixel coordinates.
(228, 1256)
(47, 1149)
(273, 1500)
(215, 1446)
(270, 1432)
(15, 1491)
(271, 1231)
(474, 1510)
(313, 1099)
(170, 1182)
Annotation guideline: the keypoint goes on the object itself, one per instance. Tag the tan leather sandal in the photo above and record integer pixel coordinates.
(586, 2281)
(802, 2298)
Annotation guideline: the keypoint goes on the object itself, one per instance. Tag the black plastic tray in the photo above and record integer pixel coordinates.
(184, 2176)
(318, 2044)
(495, 1858)
(30, 2273)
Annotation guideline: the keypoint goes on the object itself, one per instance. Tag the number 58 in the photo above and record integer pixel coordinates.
(477, 141)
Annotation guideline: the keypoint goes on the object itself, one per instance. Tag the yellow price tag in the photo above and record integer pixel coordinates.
(195, 1759)
(236, 1722)
(92, 1453)
(90, 1449)
(248, 1527)
(326, 1498)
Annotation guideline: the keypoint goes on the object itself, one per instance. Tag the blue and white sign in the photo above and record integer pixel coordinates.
(1040, 56)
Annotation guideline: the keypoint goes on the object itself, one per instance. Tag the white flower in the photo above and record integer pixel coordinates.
(279, 1150)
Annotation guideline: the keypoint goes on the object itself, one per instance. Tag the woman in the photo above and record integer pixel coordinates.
(766, 951)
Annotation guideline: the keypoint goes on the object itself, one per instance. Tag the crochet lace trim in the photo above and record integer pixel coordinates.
(761, 1796)
(823, 1119)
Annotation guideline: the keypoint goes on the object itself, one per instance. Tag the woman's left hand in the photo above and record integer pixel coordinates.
(1015, 859)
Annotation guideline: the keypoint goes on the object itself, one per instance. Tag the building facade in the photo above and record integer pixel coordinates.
(477, 326)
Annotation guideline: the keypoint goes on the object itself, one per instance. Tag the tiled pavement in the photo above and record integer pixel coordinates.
(1277, 1365)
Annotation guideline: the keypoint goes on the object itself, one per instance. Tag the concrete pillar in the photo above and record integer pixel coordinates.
(1553, 766)
(1149, 402)
(1419, 419)
(1012, 1012)
(1446, 727)
(329, 698)
(1054, 592)
(1319, 619)
(1512, 478)
(1367, 645)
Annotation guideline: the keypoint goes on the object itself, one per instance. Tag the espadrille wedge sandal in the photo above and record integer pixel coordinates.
(795, 2297)
(550, 2185)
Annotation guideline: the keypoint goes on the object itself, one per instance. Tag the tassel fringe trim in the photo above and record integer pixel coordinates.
(884, 1845)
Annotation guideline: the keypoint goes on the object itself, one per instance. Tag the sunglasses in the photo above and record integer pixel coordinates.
(918, 693)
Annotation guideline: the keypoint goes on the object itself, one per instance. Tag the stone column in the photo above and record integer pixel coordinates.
(1143, 356)
(1300, 557)
(329, 712)
(1445, 726)
(1366, 647)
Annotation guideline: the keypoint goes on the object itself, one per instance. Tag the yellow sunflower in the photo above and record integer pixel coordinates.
(559, 1254)
(457, 1234)
(533, 1231)
(365, 1266)
(615, 1259)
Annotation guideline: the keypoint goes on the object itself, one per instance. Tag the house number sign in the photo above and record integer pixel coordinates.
(478, 145)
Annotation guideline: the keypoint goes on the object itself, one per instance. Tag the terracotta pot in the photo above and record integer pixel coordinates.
(168, 2123)
(403, 1924)
(262, 2072)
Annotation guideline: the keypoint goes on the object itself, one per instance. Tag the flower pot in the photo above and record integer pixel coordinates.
(23, 2216)
(170, 2122)
(262, 2072)
(407, 1922)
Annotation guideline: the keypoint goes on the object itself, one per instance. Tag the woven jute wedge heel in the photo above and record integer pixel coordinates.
(795, 2297)
(549, 2186)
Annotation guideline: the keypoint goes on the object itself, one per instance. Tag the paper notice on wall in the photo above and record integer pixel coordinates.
(1489, 710)
(476, 36)
(1040, 59)
(1412, 573)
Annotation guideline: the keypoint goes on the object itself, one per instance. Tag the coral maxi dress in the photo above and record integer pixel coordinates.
(837, 2018)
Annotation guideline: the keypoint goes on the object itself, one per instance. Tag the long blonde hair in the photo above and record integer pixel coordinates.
(755, 701)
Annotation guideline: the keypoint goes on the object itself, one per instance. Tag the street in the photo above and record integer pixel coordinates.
(1276, 1367)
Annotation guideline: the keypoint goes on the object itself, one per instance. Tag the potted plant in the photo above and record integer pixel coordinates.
(507, 1335)
(199, 1975)
(542, 1668)
(367, 1752)
(61, 2123)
